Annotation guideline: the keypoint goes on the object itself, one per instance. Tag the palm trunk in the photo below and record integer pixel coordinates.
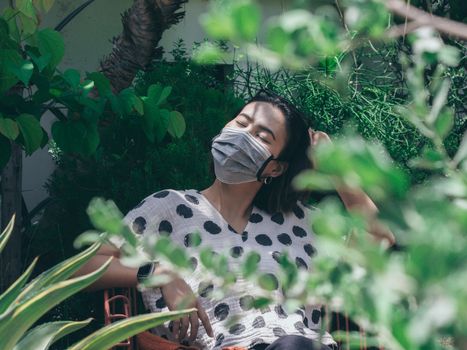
(136, 47)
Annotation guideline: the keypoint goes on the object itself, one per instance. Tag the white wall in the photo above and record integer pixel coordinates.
(87, 40)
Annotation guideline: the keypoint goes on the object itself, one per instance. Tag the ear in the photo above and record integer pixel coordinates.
(279, 168)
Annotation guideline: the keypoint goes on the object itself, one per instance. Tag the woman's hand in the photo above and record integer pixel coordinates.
(178, 295)
(318, 137)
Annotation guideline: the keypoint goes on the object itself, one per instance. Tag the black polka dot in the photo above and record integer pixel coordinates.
(205, 288)
(315, 315)
(160, 303)
(278, 218)
(298, 212)
(139, 224)
(219, 339)
(231, 229)
(256, 341)
(276, 256)
(192, 240)
(191, 199)
(255, 218)
(305, 321)
(246, 302)
(165, 226)
(268, 281)
(285, 239)
(280, 311)
(263, 240)
(184, 211)
(235, 252)
(278, 332)
(237, 329)
(161, 194)
(244, 236)
(300, 312)
(301, 264)
(298, 231)
(309, 249)
(258, 322)
(299, 326)
(139, 204)
(212, 228)
(194, 263)
(221, 311)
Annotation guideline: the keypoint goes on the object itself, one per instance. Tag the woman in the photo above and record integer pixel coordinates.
(251, 206)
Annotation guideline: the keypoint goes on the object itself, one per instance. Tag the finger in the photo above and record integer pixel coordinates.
(203, 316)
(194, 325)
(175, 328)
(184, 328)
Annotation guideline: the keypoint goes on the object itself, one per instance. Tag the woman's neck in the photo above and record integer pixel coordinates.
(232, 201)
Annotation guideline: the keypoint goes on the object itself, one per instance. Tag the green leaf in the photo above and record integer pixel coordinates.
(41, 61)
(444, 122)
(23, 71)
(58, 273)
(50, 42)
(43, 336)
(8, 297)
(9, 128)
(72, 77)
(139, 106)
(127, 99)
(5, 236)
(207, 53)
(26, 7)
(250, 264)
(10, 18)
(158, 94)
(29, 24)
(462, 150)
(8, 58)
(277, 39)
(43, 5)
(105, 215)
(5, 151)
(177, 126)
(31, 131)
(20, 318)
(268, 282)
(112, 334)
(218, 25)
(247, 19)
(101, 82)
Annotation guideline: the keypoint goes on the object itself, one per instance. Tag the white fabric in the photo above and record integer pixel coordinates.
(183, 212)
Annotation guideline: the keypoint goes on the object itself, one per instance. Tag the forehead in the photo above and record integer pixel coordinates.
(266, 114)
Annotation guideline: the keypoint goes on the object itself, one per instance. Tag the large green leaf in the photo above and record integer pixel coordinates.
(177, 126)
(101, 82)
(118, 331)
(9, 14)
(15, 322)
(23, 71)
(29, 24)
(8, 58)
(26, 7)
(9, 128)
(59, 272)
(7, 298)
(44, 335)
(31, 131)
(5, 236)
(50, 42)
(247, 19)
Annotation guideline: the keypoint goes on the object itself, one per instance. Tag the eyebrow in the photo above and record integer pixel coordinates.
(262, 127)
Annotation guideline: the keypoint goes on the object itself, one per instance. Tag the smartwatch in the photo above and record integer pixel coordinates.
(145, 271)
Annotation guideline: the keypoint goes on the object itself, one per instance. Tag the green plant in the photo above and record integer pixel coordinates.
(22, 304)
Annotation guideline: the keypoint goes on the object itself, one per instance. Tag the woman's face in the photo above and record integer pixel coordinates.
(265, 122)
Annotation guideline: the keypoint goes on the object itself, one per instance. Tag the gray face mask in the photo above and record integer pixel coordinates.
(238, 156)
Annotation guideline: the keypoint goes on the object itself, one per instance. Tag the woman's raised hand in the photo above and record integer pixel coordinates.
(178, 295)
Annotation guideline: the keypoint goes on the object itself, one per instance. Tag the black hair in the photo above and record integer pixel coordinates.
(279, 195)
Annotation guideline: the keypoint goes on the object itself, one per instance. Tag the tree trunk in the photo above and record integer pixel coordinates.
(11, 188)
(134, 49)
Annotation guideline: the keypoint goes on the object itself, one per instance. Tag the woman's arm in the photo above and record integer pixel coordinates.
(355, 200)
(116, 274)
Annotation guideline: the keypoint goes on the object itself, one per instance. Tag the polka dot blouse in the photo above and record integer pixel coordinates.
(181, 213)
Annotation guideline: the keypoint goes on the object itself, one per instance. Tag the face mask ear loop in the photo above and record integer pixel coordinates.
(260, 171)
